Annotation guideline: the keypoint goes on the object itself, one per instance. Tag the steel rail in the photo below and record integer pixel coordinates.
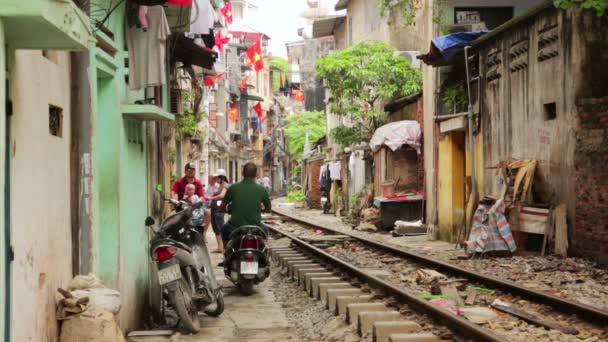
(457, 324)
(588, 313)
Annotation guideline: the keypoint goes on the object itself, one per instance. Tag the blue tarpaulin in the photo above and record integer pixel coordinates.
(451, 44)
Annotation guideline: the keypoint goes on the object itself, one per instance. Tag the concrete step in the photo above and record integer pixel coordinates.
(353, 310)
(420, 337)
(366, 320)
(383, 329)
(315, 282)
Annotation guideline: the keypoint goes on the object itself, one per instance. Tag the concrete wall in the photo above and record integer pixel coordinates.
(570, 147)
(120, 186)
(40, 195)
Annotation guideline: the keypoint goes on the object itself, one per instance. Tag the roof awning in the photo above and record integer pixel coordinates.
(253, 97)
(185, 50)
(146, 113)
(250, 36)
(446, 50)
(325, 26)
(341, 4)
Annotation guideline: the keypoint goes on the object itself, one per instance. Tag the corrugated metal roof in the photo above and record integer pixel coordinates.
(341, 5)
(326, 26)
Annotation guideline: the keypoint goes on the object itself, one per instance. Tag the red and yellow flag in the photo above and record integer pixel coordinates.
(209, 81)
(227, 12)
(221, 41)
(243, 84)
(253, 56)
(233, 113)
(258, 109)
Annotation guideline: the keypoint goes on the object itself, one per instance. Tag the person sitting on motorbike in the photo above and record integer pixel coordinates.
(178, 190)
(190, 196)
(245, 199)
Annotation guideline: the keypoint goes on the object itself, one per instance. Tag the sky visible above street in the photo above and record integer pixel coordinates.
(280, 19)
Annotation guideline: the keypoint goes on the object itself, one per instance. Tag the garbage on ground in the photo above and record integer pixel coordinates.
(70, 305)
(82, 282)
(93, 325)
(446, 304)
(102, 298)
(409, 227)
(367, 226)
(426, 276)
(87, 311)
(478, 314)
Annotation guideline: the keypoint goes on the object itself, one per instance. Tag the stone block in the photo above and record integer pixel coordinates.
(383, 329)
(292, 269)
(315, 282)
(303, 271)
(342, 302)
(353, 309)
(332, 295)
(323, 288)
(308, 278)
(421, 337)
(285, 262)
(366, 320)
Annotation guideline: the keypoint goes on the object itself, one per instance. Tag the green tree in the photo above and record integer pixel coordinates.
(358, 77)
(281, 64)
(297, 126)
(599, 6)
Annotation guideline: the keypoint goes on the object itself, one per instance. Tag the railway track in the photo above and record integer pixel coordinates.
(376, 266)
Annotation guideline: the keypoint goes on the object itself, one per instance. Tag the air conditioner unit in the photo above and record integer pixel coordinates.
(411, 57)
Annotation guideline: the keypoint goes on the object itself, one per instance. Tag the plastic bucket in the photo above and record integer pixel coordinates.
(388, 189)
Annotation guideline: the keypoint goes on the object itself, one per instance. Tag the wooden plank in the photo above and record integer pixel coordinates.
(561, 231)
(471, 298)
(534, 319)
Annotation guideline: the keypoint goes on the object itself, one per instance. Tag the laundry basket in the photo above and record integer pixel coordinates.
(388, 189)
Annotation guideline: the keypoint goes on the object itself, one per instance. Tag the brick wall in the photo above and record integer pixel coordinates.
(590, 234)
(313, 190)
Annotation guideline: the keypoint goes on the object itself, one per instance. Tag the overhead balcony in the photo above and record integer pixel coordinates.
(45, 24)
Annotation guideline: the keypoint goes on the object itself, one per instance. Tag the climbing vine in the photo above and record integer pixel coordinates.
(599, 6)
(408, 9)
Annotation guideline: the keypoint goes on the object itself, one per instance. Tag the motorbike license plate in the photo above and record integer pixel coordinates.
(249, 267)
(323, 199)
(169, 274)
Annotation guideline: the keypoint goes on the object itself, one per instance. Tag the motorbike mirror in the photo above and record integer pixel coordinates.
(159, 187)
(150, 221)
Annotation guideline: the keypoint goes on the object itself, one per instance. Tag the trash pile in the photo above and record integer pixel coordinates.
(477, 304)
(87, 311)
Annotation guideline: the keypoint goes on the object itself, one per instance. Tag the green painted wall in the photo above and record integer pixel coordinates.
(120, 184)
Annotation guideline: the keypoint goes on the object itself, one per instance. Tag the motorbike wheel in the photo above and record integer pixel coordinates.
(181, 299)
(246, 287)
(218, 308)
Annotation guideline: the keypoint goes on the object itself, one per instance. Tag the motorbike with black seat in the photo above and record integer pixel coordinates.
(185, 273)
(246, 259)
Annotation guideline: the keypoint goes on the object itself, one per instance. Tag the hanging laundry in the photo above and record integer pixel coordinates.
(324, 179)
(202, 17)
(351, 163)
(147, 51)
(143, 17)
(335, 171)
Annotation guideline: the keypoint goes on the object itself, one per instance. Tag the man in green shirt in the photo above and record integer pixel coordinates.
(245, 199)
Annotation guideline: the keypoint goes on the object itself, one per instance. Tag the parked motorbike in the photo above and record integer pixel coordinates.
(185, 273)
(325, 204)
(246, 259)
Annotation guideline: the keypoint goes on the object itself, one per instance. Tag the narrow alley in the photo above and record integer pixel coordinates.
(303, 170)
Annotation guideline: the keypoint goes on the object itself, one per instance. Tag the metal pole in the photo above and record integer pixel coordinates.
(470, 111)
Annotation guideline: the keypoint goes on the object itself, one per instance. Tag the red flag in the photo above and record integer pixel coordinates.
(233, 113)
(227, 12)
(258, 109)
(221, 41)
(243, 84)
(254, 56)
(298, 95)
(209, 81)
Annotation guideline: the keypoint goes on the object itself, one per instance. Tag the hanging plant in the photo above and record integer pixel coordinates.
(455, 99)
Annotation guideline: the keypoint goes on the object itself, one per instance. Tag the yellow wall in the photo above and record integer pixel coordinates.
(451, 192)
(454, 167)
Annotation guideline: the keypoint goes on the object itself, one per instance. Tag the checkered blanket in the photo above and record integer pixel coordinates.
(491, 231)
